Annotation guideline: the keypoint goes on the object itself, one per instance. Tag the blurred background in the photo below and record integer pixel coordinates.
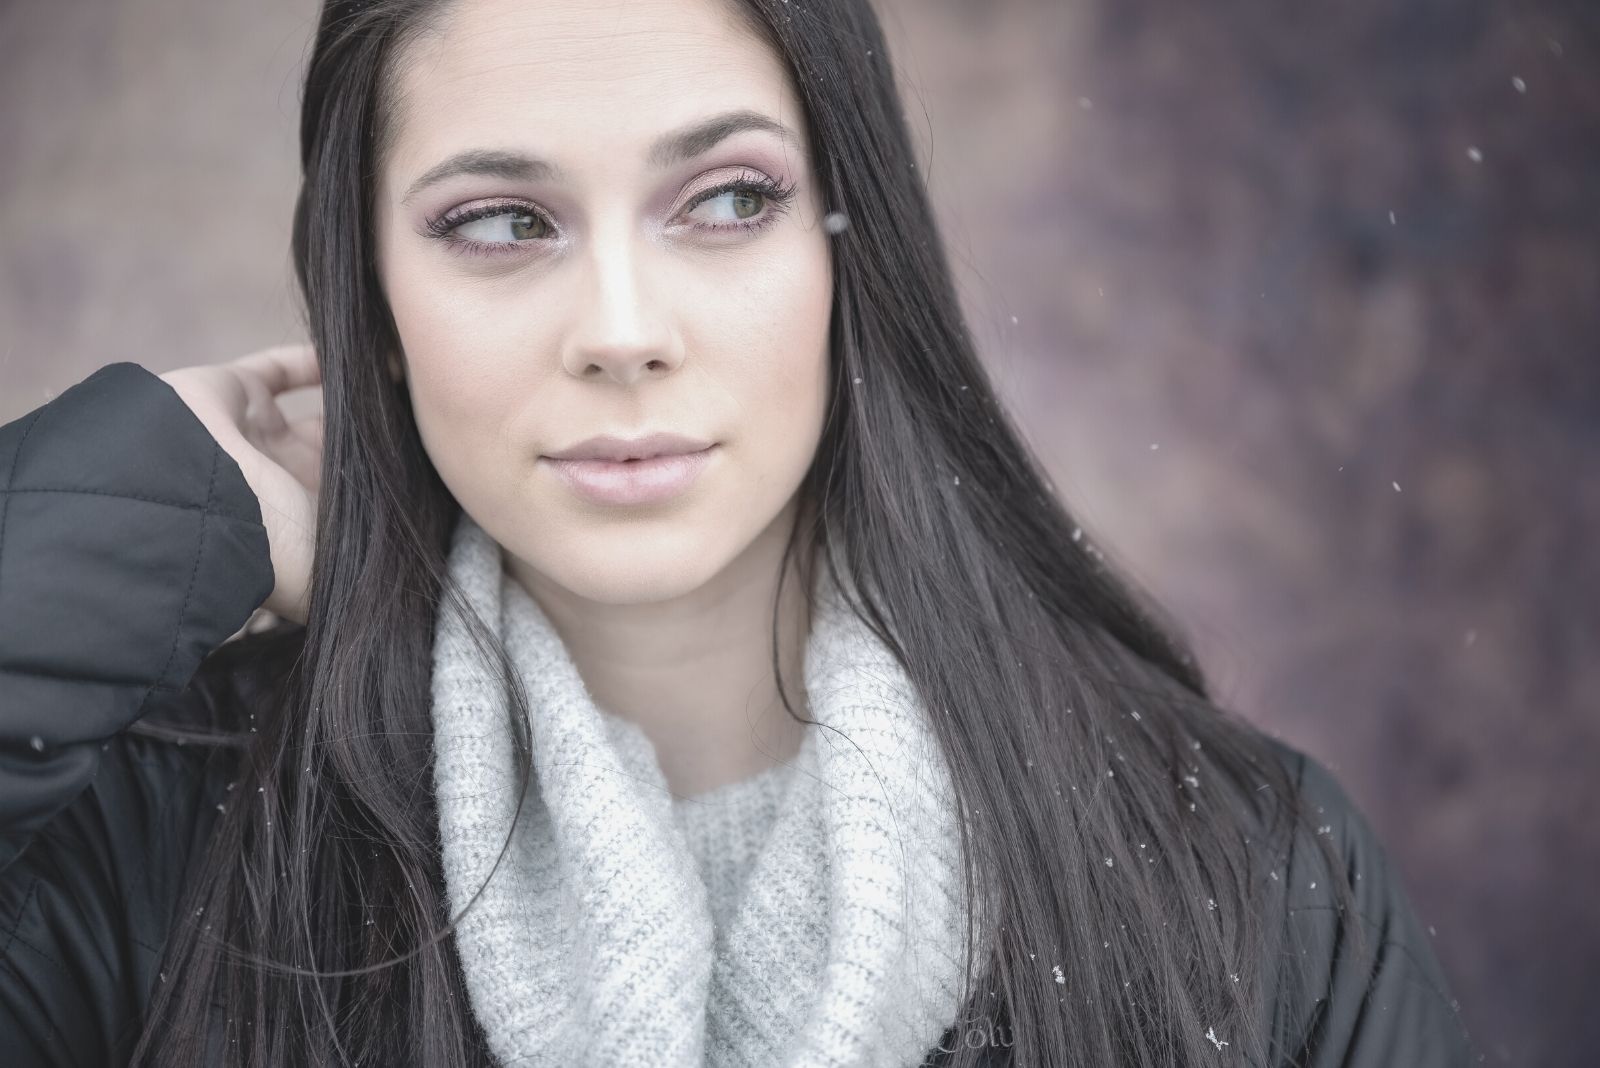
(1299, 304)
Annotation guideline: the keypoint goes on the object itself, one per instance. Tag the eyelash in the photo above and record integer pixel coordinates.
(778, 196)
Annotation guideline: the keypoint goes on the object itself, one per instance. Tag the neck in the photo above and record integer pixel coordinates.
(695, 672)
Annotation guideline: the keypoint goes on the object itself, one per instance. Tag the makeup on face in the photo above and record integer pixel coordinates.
(584, 234)
(741, 160)
(632, 482)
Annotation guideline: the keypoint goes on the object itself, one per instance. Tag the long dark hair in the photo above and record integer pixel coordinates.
(1119, 824)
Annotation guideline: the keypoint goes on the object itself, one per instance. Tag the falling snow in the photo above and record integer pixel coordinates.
(836, 222)
(1211, 1033)
(1060, 978)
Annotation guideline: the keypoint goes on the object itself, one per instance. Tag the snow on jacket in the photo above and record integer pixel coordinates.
(131, 548)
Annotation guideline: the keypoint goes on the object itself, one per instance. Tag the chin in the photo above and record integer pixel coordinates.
(632, 577)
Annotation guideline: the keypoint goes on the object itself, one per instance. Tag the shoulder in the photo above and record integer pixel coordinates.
(89, 904)
(1356, 978)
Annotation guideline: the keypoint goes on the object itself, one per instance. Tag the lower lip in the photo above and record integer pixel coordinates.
(632, 481)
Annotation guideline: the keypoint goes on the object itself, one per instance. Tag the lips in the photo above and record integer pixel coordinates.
(650, 480)
(618, 449)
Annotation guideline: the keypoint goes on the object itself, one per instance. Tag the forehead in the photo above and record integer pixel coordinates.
(577, 80)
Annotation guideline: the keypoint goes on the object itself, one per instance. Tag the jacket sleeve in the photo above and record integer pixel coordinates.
(131, 546)
(1383, 1001)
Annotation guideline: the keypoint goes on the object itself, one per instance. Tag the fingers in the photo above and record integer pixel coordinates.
(308, 428)
(283, 367)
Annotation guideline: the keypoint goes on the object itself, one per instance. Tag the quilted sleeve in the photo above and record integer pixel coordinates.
(130, 547)
(1383, 1002)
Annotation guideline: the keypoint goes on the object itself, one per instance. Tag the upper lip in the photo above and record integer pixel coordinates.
(610, 447)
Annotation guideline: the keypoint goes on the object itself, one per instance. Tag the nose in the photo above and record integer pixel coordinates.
(621, 332)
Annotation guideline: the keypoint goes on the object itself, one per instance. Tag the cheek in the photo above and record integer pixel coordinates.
(460, 384)
(786, 383)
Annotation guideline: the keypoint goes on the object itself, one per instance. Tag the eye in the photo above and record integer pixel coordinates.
(749, 202)
(495, 225)
(741, 205)
(746, 204)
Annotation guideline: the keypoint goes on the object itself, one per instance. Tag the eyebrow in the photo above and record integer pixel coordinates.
(674, 147)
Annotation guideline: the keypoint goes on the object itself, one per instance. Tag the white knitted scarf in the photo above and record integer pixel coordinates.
(593, 943)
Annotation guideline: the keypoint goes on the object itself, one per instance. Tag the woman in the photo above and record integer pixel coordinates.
(813, 733)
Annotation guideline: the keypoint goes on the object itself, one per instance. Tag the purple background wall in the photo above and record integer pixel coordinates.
(1172, 224)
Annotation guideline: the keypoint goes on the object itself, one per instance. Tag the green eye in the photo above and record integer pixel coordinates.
(754, 203)
(489, 229)
(522, 225)
(747, 205)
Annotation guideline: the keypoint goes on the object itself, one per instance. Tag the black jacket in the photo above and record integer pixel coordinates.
(131, 547)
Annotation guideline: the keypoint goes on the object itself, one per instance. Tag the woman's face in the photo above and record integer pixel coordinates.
(561, 264)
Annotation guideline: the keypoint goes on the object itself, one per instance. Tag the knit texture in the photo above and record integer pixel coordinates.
(725, 829)
(831, 932)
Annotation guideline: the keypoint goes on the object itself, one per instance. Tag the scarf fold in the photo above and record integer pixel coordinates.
(594, 942)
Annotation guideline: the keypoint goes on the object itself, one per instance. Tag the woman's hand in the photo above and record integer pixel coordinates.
(281, 460)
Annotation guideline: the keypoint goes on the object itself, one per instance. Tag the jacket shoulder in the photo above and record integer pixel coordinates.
(131, 548)
(1358, 983)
